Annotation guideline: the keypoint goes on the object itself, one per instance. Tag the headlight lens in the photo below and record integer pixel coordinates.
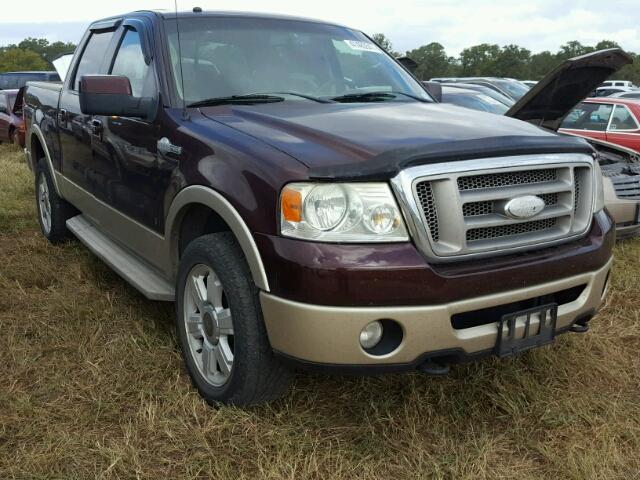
(599, 188)
(341, 212)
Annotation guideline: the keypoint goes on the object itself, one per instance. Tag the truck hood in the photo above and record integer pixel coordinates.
(553, 97)
(324, 135)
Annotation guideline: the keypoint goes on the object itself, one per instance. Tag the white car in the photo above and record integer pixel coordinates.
(618, 83)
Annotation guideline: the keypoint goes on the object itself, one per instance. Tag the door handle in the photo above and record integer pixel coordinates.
(96, 127)
(62, 116)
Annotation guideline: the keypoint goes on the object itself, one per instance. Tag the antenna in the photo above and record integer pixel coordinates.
(184, 100)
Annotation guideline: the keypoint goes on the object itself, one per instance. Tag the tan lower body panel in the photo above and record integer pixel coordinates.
(623, 212)
(330, 335)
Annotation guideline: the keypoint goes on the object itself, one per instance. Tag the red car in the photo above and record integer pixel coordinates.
(11, 121)
(613, 120)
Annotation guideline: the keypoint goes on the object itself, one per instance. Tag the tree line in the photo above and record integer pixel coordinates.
(507, 61)
(479, 60)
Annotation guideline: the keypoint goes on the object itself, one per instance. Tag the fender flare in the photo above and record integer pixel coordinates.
(36, 132)
(198, 194)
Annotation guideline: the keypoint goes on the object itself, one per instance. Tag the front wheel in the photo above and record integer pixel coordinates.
(220, 326)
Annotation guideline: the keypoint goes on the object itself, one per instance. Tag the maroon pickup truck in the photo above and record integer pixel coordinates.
(305, 201)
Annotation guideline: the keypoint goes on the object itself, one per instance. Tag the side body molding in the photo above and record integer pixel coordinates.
(35, 131)
(198, 194)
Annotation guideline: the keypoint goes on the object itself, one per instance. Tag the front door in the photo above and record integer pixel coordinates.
(127, 147)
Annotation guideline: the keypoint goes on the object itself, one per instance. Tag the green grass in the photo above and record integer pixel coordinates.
(92, 386)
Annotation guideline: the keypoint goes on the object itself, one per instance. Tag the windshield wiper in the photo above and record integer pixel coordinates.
(373, 97)
(237, 99)
(308, 97)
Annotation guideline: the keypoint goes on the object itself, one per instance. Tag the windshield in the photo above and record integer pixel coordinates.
(233, 56)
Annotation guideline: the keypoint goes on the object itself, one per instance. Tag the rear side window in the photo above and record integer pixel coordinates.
(93, 56)
(622, 119)
(130, 62)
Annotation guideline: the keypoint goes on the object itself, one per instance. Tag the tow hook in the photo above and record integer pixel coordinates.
(581, 325)
(579, 328)
(430, 367)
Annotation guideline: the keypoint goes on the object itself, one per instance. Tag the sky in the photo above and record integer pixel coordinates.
(534, 24)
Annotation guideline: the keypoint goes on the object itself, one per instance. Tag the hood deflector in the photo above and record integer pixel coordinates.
(388, 164)
(553, 97)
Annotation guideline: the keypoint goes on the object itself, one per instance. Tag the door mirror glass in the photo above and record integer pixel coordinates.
(111, 95)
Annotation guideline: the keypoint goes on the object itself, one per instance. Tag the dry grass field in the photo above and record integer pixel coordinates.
(92, 386)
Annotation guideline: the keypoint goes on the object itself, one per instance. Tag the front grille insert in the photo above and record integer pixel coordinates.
(475, 182)
(463, 212)
(508, 230)
(485, 208)
(424, 191)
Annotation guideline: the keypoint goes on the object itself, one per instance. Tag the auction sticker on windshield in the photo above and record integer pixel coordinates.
(364, 46)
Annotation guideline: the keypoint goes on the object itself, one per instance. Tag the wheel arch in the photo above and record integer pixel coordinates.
(189, 205)
(37, 148)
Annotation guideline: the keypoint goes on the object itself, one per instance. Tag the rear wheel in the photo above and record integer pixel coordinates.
(220, 326)
(53, 211)
(15, 139)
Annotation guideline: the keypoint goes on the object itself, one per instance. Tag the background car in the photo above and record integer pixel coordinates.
(508, 101)
(608, 91)
(617, 83)
(471, 99)
(509, 87)
(11, 121)
(613, 120)
(634, 94)
(15, 80)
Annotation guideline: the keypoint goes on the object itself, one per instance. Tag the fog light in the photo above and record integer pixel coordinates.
(371, 334)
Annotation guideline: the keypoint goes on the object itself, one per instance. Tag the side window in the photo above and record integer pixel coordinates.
(130, 62)
(622, 119)
(93, 56)
(589, 116)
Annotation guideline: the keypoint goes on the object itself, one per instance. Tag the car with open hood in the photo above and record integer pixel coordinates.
(558, 104)
(306, 203)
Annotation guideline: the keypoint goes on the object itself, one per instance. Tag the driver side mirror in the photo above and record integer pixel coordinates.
(111, 95)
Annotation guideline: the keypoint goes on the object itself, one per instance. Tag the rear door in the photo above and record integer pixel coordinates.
(76, 129)
(588, 120)
(624, 128)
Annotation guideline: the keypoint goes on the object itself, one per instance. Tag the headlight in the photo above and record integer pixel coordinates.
(599, 189)
(341, 212)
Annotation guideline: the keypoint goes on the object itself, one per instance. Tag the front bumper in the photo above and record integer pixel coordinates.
(329, 335)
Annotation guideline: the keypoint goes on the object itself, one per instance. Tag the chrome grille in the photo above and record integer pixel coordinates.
(458, 208)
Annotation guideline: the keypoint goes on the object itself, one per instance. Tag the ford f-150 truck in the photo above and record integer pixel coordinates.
(305, 201)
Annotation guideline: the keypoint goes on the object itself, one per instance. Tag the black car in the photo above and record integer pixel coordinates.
(16, 80)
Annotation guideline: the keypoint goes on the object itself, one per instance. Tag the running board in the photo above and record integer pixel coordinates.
(134, 270)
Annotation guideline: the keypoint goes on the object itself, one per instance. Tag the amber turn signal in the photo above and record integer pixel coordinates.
(291, 205)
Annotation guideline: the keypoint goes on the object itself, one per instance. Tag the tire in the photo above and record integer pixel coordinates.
(53, 211)
(218, 316)
(14, 137)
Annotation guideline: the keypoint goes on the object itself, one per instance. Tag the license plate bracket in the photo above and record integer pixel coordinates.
(508, 344)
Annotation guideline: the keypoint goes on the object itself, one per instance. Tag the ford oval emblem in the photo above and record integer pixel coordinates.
(523, 207)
